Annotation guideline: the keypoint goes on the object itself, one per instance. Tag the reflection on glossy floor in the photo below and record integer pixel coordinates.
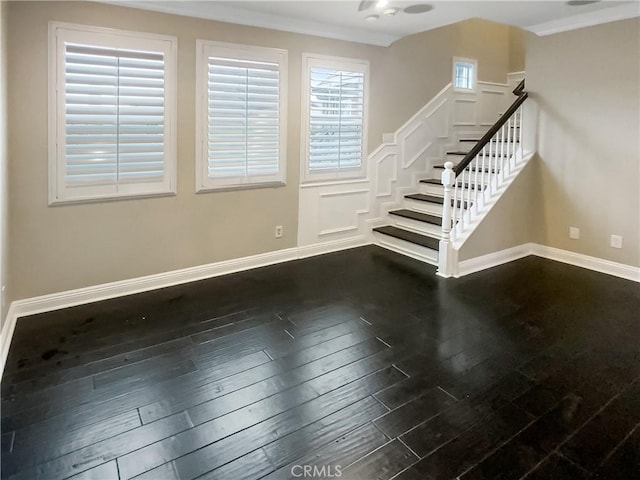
(362, 364)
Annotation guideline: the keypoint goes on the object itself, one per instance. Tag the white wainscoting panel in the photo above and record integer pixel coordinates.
(465, 111)
(386, 174)
(492, 100)
(339, 211)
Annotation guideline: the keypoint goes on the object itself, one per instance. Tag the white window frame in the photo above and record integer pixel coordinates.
(60, 32)
(310, 60)
(205, 49)
(474, 74)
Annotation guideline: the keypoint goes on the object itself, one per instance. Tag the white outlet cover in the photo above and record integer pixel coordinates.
(574, 233)
(616, 241)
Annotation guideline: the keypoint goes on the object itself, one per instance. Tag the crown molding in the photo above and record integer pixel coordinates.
(589, 19)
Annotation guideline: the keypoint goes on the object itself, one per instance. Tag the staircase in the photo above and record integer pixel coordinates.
(478, 167)
(416, 228)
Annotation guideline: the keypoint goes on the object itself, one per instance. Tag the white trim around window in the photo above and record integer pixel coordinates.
(112, 114)
(241, 116)
(334, 117)
(464, 74)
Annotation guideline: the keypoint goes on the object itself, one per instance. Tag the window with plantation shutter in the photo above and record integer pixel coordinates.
(335, 117)
(111, 113)
(241, 101)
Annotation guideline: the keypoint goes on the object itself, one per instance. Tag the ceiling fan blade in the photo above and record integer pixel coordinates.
(366, 5)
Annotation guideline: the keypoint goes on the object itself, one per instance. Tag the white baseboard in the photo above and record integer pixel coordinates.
(601, 265)
(494, 259)
(8, 327)
(328, 247)
(70, 298)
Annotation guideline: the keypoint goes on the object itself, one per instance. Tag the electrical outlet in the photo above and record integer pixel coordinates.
(616, 241)
(279, 231)
(574, 233)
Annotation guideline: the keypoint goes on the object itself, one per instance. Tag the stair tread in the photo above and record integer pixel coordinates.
(419, 216)
(461, 153)
(473, 169)
(437, 181)
(408, 236)
(425, 198)
(476, 140)
(421, 197)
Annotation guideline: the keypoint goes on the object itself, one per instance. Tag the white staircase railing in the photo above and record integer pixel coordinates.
(470, 185)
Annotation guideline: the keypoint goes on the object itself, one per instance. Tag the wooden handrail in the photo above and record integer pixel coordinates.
(519, 88)
(522, 96)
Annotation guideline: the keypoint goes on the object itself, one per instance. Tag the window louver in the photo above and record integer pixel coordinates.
(114, 117)
(336, 119)
(243, 118)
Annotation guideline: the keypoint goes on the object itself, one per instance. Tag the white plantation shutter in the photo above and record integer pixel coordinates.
(114, 109)
(242, 129)
(114, 116)
(334, 117)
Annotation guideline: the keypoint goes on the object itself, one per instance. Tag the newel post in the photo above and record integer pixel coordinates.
(445, 254)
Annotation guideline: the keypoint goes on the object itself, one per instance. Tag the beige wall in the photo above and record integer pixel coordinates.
(421, 64)
(517, 49)
(489, 43)
(514, 220)
(4, 186)
(585, 83)
(66, 247)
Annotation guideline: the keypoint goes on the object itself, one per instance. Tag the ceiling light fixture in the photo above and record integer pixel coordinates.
(382, 3)
(390, 12)
(372, 18)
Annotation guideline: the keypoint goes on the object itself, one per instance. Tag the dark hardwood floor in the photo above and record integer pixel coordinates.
(356, 365)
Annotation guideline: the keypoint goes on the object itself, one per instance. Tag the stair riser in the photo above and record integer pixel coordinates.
(416, 226)
(458, 158)
(406, 248)
(466, 146)
(487, 179)
(424, 207)
(431, 189)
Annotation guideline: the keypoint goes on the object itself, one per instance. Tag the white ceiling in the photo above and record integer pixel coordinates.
(342, 20)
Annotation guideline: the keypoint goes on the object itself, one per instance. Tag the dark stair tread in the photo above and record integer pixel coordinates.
(421, 197)
(435, 181)
(461, 153)
(473, 169)
(411, 237)
(476, 140)
(425, 198)
(419, 216)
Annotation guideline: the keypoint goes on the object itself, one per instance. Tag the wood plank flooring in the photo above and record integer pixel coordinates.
(356, 365)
